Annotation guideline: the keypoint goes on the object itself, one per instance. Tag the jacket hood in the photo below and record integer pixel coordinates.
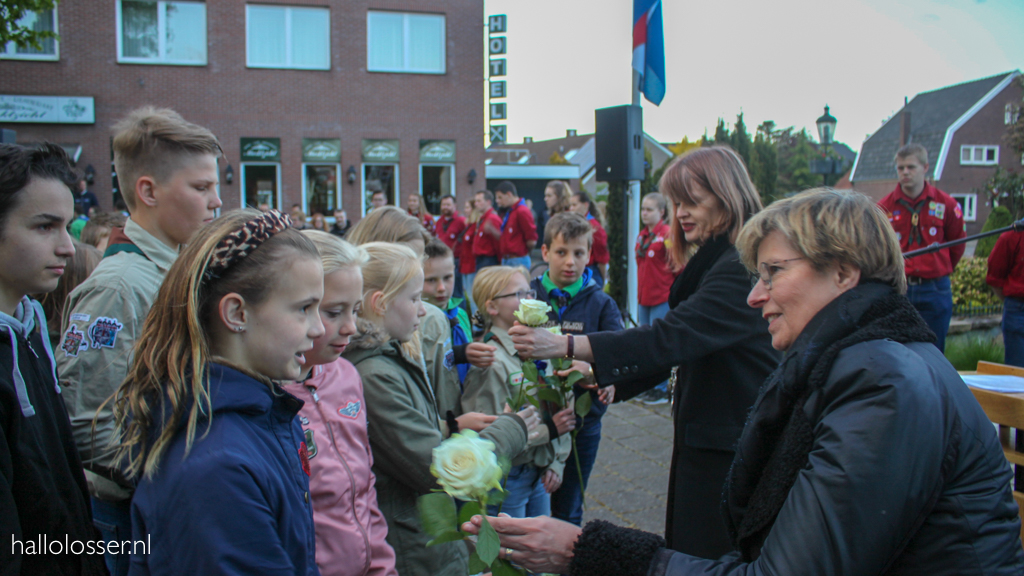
(27, 316)
(232, 390)
(368, 336)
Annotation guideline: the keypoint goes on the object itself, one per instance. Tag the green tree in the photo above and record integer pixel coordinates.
(557, 159)
(721, 133)
(11, 11)
(999, 217)
(1005, 188)
(795, 152)
(1015, 131)
(740, 140)
(764, 165)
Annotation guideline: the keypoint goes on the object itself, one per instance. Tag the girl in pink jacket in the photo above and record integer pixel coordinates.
(350, 530)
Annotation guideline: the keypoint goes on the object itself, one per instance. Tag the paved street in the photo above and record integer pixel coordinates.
(630, 479)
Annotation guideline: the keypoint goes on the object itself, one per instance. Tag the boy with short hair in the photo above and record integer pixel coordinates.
(518, 230)
(43, 493)
(578, 306)
(168, 168)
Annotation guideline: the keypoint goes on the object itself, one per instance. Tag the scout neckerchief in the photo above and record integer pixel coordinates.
(446, 222)
(561, 296)
(915, 217)
(641, 247)
(120, 242)
(510, 211)
(459, 336)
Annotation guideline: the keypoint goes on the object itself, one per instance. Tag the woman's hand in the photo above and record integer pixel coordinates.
(582, 367)
(565, 420)
(606, 395)
(537, 343)
(551, 481)
(479, 354)
(476, 421)
(540, 544)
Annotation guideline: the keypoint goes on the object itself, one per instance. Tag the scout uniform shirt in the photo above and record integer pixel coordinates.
(102, 319)
(487, 390)
(931, 218)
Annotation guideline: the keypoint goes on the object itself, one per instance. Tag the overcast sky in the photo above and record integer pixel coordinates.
(780, 60)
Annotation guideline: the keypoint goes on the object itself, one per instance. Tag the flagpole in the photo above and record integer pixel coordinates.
(633, 221)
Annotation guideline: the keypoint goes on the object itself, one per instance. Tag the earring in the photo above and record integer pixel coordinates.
(239, 328)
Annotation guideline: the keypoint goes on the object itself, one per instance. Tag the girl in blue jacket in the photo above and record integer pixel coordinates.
(211, 437)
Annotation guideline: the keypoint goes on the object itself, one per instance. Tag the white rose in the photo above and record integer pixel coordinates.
(532, 312)
(556, 330)
(466, 467)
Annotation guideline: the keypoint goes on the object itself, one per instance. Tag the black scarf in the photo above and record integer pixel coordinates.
(689, 280)
(778, 436)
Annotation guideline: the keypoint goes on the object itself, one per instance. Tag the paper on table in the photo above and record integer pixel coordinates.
(996, 383)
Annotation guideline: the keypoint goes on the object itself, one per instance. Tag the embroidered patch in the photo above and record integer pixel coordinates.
(304, 420)
(304, 458)
(940, 211)
(959, 213)
(932, 231)
(572, 326)
(351, 410)
(73, 341)
(516, 378)
(79, 317)
(103, 332)
(310, 444)
(449, 359)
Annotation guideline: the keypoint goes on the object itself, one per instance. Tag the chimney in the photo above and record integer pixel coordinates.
(904, 127)
(570, 133)
(527, 139)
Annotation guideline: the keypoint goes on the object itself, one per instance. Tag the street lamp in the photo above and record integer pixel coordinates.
(825, 165)
(826, 128)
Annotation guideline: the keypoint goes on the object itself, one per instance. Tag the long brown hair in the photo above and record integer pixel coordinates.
(167, 378)
(562, 193)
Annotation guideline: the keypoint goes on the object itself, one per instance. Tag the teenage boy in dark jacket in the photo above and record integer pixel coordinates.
(578, 306)
(43, 495)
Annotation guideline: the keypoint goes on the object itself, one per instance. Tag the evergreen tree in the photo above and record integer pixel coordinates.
(740, 140)
(764, 165)
(721, 133)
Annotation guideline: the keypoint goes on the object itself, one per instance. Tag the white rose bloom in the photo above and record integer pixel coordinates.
(466, 467)
(556, 330)
(532, 312)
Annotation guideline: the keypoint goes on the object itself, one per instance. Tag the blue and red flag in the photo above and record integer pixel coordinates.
(649, 48)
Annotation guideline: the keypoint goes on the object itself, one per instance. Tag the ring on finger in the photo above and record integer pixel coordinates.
(508, 553)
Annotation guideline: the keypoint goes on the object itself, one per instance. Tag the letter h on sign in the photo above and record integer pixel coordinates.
(496, 23)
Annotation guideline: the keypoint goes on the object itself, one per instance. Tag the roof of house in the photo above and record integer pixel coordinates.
(934, 118)
(580, 150)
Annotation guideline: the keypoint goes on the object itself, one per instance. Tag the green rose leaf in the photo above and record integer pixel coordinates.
(469, 509)
(487, 543)
(530, 371)
(574, 377)
(496, 497)
(449, 536)
(533, 400)
(550, 395)
(560, 363)
(476, 565)
(437, 513)
(502, 567)
(583, 405)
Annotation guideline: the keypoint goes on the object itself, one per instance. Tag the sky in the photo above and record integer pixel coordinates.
(779, 60)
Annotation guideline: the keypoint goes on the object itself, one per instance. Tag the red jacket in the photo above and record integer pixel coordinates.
(350, 530)
(517, 229)
(467, 262)
(483, 243)
(449, 230)
(654, 274)
(599, 250)
(426, 219)
(938, 219)
(1006, 265)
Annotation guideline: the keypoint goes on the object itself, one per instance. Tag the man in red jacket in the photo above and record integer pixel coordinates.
(923, 215)
(518, 230)
(449, 228)
(486, 244)
(1006, 277)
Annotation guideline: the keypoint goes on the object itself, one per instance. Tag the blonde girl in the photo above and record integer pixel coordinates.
(222, 468)
(537, 472)
(350, 529)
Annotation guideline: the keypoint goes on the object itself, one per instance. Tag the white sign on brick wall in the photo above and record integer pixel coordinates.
(47, 109)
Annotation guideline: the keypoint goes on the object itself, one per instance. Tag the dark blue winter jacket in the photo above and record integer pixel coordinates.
(239, 502)
(591, 310)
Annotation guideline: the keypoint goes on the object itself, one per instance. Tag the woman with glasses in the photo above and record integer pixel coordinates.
(537, 471)
(864, 453)
(719, 344)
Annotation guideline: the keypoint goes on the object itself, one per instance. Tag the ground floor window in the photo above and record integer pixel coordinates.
(261, 184)
(379, 178)
(321, 188)
(436, 181)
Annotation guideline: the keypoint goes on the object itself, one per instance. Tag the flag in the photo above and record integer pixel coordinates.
(649, 48)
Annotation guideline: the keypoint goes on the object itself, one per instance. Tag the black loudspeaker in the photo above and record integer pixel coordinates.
(620, 144)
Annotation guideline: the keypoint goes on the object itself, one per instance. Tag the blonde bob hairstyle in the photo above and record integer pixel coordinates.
(720, 172)
(489, 283)
(388, 224)
(830, 227)
(388, 270)
(335, 253)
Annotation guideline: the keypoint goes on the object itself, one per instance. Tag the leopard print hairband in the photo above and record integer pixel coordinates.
(244, 241)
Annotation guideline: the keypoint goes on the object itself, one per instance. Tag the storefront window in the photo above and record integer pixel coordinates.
(320, 188)
(262, 185)
(379, 177)
(435, 183)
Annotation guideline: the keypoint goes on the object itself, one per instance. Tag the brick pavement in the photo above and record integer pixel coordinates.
(630, 479)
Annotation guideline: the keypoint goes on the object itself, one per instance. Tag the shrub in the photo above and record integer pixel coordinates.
(1000, 217)
(963, 352)
(968, 281)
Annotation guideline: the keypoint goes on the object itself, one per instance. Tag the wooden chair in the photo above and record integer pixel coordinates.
(1007, 410)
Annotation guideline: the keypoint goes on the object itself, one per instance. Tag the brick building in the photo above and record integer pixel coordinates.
(962, 127)
(315, 103)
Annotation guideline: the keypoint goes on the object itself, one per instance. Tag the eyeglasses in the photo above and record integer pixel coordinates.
(522, 295)
(766, 272)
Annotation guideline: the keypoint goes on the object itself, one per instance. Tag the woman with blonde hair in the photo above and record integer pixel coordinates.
(213, 440)
(417, 208)
(720, 346)
(389, 224)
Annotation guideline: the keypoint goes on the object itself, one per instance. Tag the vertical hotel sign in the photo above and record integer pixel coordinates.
(496, 70)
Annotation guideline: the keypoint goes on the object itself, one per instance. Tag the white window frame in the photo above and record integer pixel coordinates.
(970, 204)
(974, 147)
(10, 51)
(161, 38)
(287, 38)
(405, 43)
(362, 184)
(241, 199)
(337, 186)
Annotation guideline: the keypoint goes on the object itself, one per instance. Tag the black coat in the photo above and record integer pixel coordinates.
(724, 354)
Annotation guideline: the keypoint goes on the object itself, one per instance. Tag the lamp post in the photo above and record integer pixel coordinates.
(826, 130)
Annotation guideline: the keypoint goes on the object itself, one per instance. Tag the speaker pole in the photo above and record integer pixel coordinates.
(632, 226)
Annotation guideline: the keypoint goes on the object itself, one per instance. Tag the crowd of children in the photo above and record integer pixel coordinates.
(251, 399)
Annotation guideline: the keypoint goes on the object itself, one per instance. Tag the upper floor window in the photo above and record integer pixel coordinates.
(1011, 114)
(979, 155)
(288, 37)
(161, 32)
(398, 42)
(45, 21)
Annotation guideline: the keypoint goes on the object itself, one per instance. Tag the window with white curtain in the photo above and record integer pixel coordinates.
(979, 155)
(44, 21)
(161, 32)
(401, 42)
(288, 37)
